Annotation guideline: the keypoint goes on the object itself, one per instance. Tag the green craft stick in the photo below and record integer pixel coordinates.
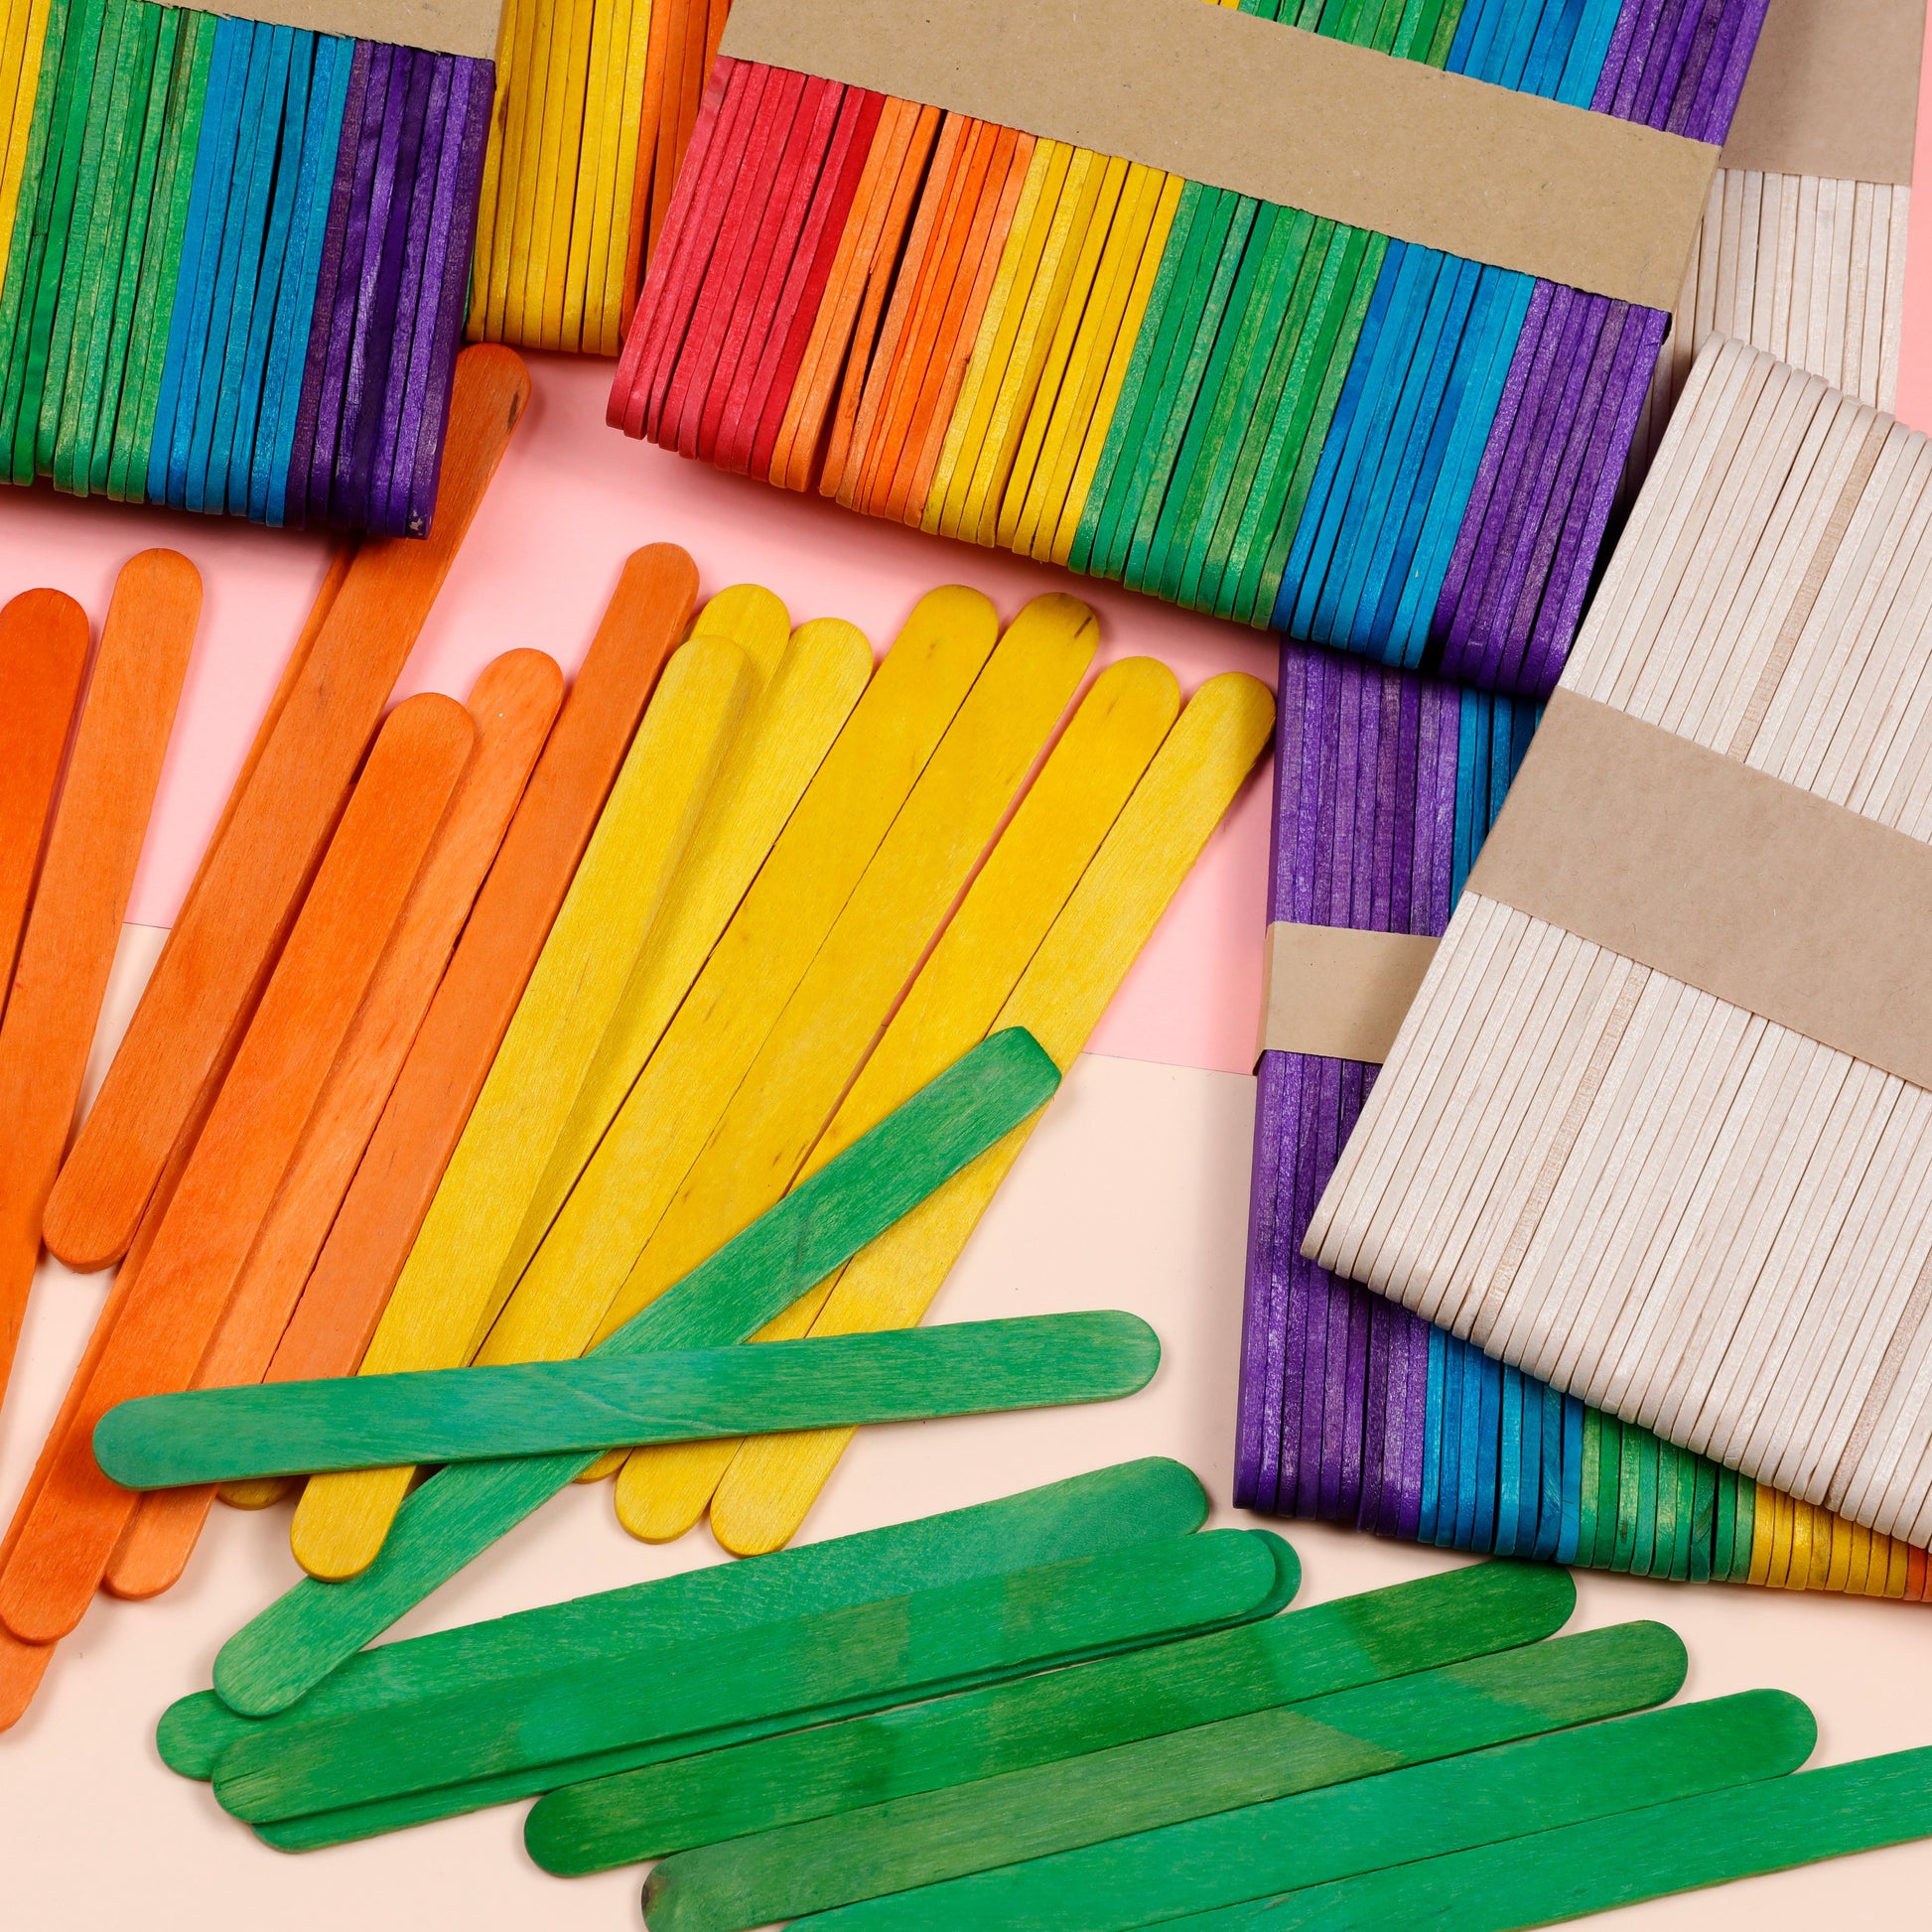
(338, 1827)
(1310, 1653)
(987, 1627)
(467, 1415)
(1599, 1772)
(1114, 1508)
(1602, 1864)
(294, 1643)
(1135, 1788)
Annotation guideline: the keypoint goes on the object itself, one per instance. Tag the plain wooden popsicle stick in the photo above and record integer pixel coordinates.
(228, 1184)
(43, 657)
(270, 846)
(848, 991)
(92, 853)
(452, 1054)
(1150, 849)
(452, 1287)
(513, 703)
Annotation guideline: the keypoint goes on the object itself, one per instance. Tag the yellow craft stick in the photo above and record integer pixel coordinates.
(1187, 789)
(30, 24)
(566, 131)
(971, 972)
(822, 1038)
(523, 305)
(725, 1019)
(616, 168)
(514, 132)
(809, 696)
(476, 327)
(449, 1288)
(1095, 439)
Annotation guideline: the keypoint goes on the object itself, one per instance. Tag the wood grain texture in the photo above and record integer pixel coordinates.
(43, 658)
(1281, 1660)
(452, 1052)
(271, 845)
(990, 1626)
(230, 1180)
(1742, 1747)
(298, 1639)
(93, 849)
(454, 1284)
(513, 704)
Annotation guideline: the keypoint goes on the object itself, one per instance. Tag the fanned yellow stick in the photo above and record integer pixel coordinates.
(26, 42)
(960, 991)
(822, 1038)
(765, 775)
(490, 234)
(523, 310)
(567, 130)
(448, 1293)
(1193, 779)
(764, 952)
(624, 101)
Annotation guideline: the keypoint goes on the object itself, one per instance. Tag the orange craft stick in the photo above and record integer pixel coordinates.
(42, 652)
(91, 853)
(451, 1055)
(513, 704)
(181, 1290)
(223, 945)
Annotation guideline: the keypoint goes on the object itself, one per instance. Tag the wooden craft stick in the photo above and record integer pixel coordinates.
(91, 852)
(835, 1769)
(270, 847)
(461, 1415)
(1192, 1772)
(513, 704)
(1112, 1508)
(1736, 1749)
(296, 1641)
(229, 1182)
(999, 1625)
(451, 1288)
(1093, 940)
(43, 656)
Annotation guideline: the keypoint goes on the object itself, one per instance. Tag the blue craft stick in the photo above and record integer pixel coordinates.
(1510, 1446)
(1469, 1468)
(1570, 1539)
(1490, 1389)
(1431, 1439)
(1549, 1514)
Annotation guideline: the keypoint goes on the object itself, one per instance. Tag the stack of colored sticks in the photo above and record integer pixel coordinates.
(1230, 404)
(1351, 1408)
(598, 105)
(235, 261)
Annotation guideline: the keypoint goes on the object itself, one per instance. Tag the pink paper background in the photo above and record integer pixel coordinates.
(572, 500)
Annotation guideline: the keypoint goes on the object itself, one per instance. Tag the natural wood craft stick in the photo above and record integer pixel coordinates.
(1092, 942)
(814, 1230)
(513, 704)
(69, 1534)
(91, 852)
(476, 1415)
(472, 1006)
(271, 844)
(43, 657)
(451, 1288)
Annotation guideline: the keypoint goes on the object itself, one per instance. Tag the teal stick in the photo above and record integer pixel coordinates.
(724, 1794)
(467, 1415)
(1601, 1772)
(817, 1227)
(902, 1646)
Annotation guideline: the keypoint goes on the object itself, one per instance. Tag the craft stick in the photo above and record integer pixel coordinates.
(269, 850)
(1138, 1787)
(294, 1643)
(92, 851)
(451, 1052)
(554, 1408)
(1305, 1654)
(995, 1626)
(1093, 940)
(229, 1181)
(513, 704)
(44, 651)
(452, 1287)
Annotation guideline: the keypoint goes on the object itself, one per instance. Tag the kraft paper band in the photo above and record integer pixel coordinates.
(1339, 994)
(1247, 104)
(466, 27)
(1737, 884)
(1833, 91)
